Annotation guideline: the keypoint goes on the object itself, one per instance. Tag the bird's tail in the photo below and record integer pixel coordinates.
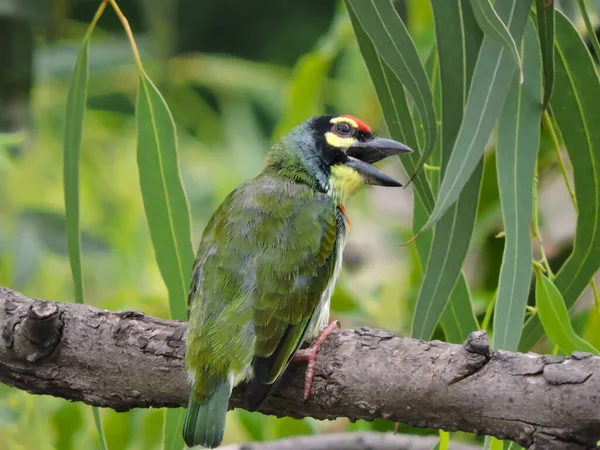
(205, 420)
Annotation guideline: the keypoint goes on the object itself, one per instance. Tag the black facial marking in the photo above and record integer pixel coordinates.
(330, 155)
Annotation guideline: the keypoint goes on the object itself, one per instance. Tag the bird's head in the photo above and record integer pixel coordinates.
(338, 153)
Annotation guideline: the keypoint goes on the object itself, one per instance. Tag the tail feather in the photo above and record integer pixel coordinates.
(257, 393)
(205, 421)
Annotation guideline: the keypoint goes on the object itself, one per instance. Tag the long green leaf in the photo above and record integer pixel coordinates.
(545, 26)
(458, 41)
(165, 203)
(490, 84)
(167, 213)
(390, 37)
(555, 317)
(575, 107)
(459, 319)
(173, 424)
(492, 26)
(516, 154)
(395, 108)
(76, 101)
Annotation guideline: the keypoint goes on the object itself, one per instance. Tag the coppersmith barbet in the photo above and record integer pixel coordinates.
(267, 265)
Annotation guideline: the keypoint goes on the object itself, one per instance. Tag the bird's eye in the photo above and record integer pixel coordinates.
(343, 129)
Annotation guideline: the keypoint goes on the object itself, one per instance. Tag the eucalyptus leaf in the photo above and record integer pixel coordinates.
(76, 100)
(575, 107)
(165, 203)
(460, 320)
(555, 317)
(489, 87)
(458, 47)
(516, 155)
(492, 26)
(393, 43)
(545, 27)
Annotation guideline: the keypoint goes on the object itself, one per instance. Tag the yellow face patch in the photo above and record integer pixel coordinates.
(348, 120)
(339, 142)
(344, 182)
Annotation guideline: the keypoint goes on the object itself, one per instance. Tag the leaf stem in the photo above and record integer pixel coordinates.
(590, 29)
(561, 162)
(536, 227)
(125, 23)
(550, 127)
(98, 423)
(94, 21)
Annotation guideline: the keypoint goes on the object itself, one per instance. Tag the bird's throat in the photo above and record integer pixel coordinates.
(344, 182)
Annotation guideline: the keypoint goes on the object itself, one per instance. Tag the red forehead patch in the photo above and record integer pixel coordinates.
(361, 125)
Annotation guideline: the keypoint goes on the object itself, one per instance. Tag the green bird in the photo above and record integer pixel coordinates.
(267, 265)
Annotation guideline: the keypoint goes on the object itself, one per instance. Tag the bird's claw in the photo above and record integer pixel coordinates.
(310, 355)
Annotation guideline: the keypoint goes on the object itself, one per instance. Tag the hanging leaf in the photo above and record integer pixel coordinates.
(555, 317)
(457, 47)
(166, 206)
(576, 110)
(459, 321)
(395, 108)
(492, 26)
(516, 155)
(489, 87)
(76, 99)
(545, 27)
(389, 36)
(76, 102)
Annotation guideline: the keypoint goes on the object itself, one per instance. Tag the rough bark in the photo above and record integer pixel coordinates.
(352, 441)
(125, 360)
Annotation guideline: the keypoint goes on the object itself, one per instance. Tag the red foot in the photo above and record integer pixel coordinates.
(310, 354)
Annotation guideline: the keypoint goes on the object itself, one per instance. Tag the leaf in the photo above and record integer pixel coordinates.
(489, 86)
(459, 321)
(545, 26)
(555, 317)
(516, 155)
(76, 99)
(457, 48)
(173, 424)
(576, 109)
(164, 199)
(492, 26)
(253, 424)
(444, 440)
(395, 108)
(287, 426)
(389, 36)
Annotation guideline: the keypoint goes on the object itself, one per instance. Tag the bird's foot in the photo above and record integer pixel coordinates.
(310, 355)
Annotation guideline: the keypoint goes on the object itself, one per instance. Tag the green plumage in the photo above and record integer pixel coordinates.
(267, 263)
(266, 257)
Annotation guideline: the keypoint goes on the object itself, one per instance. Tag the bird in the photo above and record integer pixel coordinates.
(267, 265)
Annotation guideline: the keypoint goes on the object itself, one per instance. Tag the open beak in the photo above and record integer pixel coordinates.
(362, 155)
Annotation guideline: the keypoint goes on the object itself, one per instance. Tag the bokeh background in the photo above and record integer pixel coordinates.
(236, 75)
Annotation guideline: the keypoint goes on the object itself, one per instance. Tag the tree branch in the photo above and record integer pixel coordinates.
(351, 441)
(125, 360)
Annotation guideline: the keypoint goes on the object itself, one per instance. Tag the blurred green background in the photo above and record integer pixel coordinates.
(236, 75)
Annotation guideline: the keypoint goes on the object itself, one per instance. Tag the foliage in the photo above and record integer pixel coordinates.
(493, 96)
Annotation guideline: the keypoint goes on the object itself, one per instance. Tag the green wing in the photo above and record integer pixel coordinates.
(292, 288)
(265, 260)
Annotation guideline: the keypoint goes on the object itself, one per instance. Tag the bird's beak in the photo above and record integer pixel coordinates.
(376, 149)
(362, 155)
